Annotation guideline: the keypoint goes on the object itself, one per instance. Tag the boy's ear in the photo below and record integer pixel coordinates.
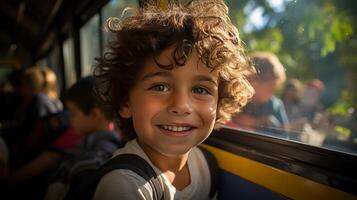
(125, 111)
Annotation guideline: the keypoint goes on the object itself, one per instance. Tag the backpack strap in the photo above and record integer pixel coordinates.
(138, 165)
(213, 169)
(84, 184)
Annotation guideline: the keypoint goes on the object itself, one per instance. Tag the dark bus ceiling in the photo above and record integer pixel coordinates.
(30, 27)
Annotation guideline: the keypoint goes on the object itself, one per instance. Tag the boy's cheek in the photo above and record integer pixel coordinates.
(212, 110)
(209, 112)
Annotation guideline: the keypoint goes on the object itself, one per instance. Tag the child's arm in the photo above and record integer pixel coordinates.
(123, 184)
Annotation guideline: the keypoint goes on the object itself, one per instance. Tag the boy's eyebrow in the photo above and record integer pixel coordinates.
(159, 73)
(205, 78)
(168, 74)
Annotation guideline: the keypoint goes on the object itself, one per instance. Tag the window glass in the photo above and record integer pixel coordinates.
(89, 35)
(69, 65)
(115, 8)
(54, 63)
(312, 99)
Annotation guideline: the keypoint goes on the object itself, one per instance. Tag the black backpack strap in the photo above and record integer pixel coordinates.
(213, 169)
(84, 184)
(138, 165)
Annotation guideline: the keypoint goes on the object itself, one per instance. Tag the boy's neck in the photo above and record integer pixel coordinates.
(165, 162)
(175, 168)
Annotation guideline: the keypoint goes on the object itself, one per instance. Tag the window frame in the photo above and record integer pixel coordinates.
(325, 166)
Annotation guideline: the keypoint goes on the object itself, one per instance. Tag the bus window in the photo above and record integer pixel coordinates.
(69, 66)
(54, 63)
(315, 41)
(89, 35)
(115, 8)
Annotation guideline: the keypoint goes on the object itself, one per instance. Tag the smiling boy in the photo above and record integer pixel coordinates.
(172, 108)
(171, 76)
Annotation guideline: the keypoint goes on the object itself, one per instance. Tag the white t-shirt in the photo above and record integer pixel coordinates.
(126, 184)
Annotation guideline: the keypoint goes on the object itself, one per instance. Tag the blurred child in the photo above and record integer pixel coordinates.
(311, 102)
(31, 179)
(98, 143)
(266, 112)
(34, 95)
(172, 76)
(292, 95)
(34, 105)
(50, 87)
(48, 127)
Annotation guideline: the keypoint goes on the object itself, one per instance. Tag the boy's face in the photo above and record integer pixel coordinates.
(172, 110)
(264, 90)
(79, 120)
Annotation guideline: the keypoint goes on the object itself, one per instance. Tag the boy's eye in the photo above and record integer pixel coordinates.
(200, 90)
(159, 87)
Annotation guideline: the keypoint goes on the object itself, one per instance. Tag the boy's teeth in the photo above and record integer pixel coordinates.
(175, 128)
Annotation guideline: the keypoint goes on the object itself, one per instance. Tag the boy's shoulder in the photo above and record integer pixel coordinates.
(131, 147)
(202, 163)
(121, 183)
(197, 155)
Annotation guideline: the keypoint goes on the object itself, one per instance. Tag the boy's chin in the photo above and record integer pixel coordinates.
(163, 150)
(175, 152)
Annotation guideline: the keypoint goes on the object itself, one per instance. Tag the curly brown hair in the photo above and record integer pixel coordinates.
(203, 26)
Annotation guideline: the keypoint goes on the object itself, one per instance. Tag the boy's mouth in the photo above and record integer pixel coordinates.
(176, 128)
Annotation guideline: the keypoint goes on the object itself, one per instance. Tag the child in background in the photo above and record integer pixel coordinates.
(98, 143)
(30, 181)
(33, 107)
(266, 112)
(50, 87)
(291, 97)
(172, 76)
(311, 101)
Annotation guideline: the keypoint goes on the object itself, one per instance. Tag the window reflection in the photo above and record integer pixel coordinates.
(265, 112)
(315, 41)
(89, 34)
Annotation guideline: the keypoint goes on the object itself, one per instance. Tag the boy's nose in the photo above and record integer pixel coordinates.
(180, 104)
